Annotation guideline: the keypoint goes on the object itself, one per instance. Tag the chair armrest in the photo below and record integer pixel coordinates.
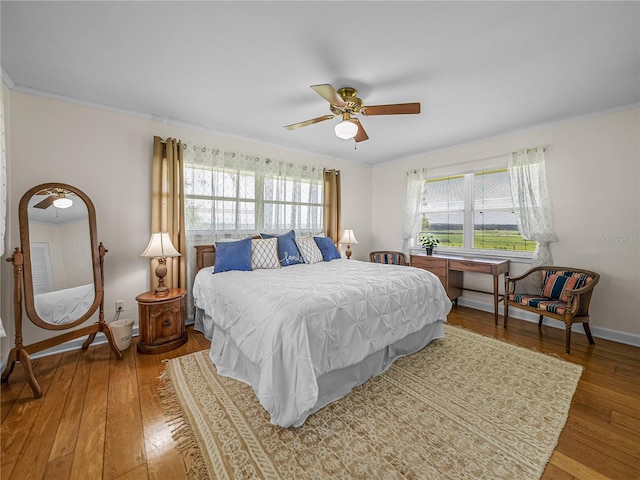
(581, 291)
(510, 282)
(525, 274)
(578, 300)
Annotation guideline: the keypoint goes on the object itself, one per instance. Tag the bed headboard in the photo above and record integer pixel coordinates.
(205, 256)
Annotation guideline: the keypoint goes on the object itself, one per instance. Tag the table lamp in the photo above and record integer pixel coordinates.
(160, 247)
(348, 237)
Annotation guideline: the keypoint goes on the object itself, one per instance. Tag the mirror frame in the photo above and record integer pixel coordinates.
(29, 299)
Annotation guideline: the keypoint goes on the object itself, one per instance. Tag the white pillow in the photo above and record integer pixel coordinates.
(264, 253)
(309, 250)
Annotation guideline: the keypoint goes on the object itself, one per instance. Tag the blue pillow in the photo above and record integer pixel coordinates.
(233, 256)
(328, 249)
(288, 252)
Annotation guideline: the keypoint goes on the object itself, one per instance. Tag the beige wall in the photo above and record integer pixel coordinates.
(107, 155)
(594, 182)
(592, 165)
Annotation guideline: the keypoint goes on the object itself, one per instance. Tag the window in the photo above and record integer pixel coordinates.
(236, 201)
(289, 203)
(473, 211)
(41, 269)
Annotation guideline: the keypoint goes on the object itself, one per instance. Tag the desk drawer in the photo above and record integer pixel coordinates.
(439, 271)
(470, 266)
(428, 262)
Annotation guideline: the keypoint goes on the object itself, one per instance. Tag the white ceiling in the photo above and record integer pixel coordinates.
(479, 69)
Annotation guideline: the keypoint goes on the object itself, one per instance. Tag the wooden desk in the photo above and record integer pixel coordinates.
(452, 280)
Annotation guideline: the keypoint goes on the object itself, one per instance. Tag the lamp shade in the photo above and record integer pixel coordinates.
(348, 237)
(62, 202)
(346, 130)
(160, 246)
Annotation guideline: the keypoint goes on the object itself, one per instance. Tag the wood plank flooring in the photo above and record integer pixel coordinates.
(100, 418)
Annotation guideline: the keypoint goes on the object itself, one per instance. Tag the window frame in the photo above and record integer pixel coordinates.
(259, 201)
(468, 217)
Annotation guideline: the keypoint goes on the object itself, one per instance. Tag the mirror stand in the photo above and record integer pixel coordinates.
(21, 353)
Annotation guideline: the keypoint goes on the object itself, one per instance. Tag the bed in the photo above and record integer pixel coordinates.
(304, 335)
(64, 306)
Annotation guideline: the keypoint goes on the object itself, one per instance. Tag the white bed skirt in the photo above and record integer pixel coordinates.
(332, 385)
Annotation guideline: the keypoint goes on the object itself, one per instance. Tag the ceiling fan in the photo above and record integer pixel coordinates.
(57, 197)
(345, 103)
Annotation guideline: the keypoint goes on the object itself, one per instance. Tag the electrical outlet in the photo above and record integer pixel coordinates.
(119, 306)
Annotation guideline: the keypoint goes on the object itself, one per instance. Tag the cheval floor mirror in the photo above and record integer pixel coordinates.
(60, 265)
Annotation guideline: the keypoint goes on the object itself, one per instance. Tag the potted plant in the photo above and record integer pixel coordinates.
(428, 242)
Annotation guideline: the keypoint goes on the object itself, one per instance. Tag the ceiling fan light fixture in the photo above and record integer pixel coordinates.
(62, 202)
(346, 130)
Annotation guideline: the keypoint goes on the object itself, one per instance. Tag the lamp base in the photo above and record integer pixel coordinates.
(348, 252)
(161, 272)
(161, 290)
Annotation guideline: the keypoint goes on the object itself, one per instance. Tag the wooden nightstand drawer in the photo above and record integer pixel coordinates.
(161, 320)
(165, 322)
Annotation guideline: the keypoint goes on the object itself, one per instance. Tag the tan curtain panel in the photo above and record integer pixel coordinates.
(167, 207)
(332, 205)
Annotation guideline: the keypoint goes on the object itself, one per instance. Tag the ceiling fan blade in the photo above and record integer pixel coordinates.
(46, 203)
(309, 122)
(394, 109)
(361, 136)
(329, 93)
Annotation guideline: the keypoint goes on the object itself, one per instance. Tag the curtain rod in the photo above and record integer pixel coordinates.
(490, 157)
(544, 149)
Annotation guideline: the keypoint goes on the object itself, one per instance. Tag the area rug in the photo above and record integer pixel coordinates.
(464, 407)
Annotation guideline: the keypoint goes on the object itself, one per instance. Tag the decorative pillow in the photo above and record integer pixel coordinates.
(556, 285)
(288, 252)
(328, 249)
(264, 253)
(309, 250)
(233, 256)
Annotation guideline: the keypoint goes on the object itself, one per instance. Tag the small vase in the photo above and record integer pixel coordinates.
(429, 250)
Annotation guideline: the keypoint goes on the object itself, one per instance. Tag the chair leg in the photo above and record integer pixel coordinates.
(568, 335)
(505, 314)
(587, 331)
(540, 321)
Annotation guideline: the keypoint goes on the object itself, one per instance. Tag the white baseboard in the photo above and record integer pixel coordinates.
(71, 345)
(598, 332)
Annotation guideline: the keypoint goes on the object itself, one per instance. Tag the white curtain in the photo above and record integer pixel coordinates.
(288, 194)
(531, 200)
(412, 223)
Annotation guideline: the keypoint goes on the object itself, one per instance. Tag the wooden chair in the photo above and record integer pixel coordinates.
(563, 293)
(388, 257)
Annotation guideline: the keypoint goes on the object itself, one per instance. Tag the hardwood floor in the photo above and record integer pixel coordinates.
(103, 418)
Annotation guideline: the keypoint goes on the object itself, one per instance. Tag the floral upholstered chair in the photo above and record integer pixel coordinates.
(388, 257)
(563, 293)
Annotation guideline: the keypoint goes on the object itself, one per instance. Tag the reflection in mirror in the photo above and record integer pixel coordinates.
(61, 261)
(60, 266)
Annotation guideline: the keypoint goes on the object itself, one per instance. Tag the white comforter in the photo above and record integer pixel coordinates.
(64, 306)
(302, 321)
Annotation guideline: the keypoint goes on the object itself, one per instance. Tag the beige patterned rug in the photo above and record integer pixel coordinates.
(465, 407)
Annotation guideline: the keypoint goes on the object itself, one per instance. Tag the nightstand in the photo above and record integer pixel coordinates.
(161, 321)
